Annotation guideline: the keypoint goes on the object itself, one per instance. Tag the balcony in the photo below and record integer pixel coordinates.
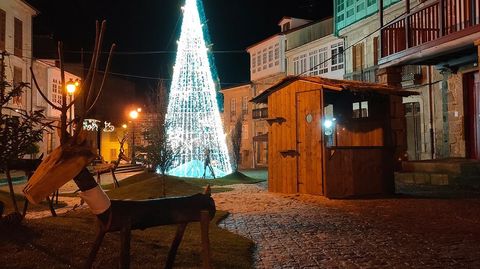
(431, 34)
(260, 113)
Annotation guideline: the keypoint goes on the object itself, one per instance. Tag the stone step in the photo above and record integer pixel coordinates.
(462, 167)
(438, 179)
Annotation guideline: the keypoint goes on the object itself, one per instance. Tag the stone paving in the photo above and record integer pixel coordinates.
(301, 231)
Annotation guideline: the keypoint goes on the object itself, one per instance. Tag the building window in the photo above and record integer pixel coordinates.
(277, 54)
(337, 56)
(244, 105)
(56, 91)
(360, 110)
(17, 79)
(270, 57)
(18, 38)
(233, 107)
(313, 63)
(254, 61)
(3, 21)
(264, 61)
(259, 61)
(303, 63)
(323, 61)
(296, 66)
(357, 57)
(375, 50)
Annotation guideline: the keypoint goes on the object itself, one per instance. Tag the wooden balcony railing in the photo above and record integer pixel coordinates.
(260, 113)
(440, 18)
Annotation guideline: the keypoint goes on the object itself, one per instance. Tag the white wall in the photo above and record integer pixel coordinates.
(18, 9)
(307, 51)
(267, 51)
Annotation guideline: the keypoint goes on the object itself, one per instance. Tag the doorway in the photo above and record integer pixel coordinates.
(414, 133)
(309, 142)
(471, 90)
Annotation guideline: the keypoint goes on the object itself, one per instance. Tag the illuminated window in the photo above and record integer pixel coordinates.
(360, 110)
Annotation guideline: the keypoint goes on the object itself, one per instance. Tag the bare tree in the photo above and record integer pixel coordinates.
(236, 139)
(74, 153)
(159, 153)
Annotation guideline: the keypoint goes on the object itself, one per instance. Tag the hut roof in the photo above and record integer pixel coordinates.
(335, 85)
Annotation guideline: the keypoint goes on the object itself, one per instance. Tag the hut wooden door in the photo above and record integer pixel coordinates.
(309, 142)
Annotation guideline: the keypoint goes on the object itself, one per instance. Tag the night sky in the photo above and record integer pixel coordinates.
(147, 25)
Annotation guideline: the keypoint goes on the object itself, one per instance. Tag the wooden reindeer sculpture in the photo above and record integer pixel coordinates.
(74, 154)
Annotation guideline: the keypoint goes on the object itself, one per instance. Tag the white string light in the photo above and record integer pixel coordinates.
(193, 119)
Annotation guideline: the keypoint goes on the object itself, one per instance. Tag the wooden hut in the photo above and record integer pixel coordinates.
(333, 137)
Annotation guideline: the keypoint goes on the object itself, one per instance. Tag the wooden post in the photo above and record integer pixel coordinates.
(175, 244)
(407, 24)
(440, 18)
(125, 235)
(204, 225)
(95, 248)
(477, 44)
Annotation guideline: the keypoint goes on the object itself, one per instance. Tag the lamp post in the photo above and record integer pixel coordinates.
(71, 88)
(133, 115)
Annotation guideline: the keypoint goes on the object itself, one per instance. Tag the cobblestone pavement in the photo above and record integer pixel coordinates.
(301, 231)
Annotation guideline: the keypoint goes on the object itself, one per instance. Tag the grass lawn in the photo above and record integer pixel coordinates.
(65, 241)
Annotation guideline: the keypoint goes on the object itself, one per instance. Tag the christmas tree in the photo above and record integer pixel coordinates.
(194, 126)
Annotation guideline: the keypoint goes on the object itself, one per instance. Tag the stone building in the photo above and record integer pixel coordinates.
(237, 107)
(417, 46)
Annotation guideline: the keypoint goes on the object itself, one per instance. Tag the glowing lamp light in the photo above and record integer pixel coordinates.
(72, 86)
(328, 124)
(139, 109)
(124, 126)
(133, 114)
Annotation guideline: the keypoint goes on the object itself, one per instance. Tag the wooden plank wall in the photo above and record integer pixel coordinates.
(282, 171)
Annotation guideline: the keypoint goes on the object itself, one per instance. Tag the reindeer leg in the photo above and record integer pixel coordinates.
(115, 181)
(175, 244)
(125, 235)
(95, 248)
(50, 205)
(204, 225)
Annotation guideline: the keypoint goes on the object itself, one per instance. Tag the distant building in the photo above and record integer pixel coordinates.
(49, 80)
(268, 66)
(16, 41)
(238, 107)
(313, 50)
(424, 46)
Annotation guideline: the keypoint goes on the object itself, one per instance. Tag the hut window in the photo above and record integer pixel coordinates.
(360, 109)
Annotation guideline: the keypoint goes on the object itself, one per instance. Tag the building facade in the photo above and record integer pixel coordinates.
(48, 76)
(16, 41)
(427, 47)
(313, 50)
(238, 108)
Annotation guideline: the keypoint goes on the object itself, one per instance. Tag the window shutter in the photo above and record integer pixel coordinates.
(375, 50)
(354, 58)
(3, 18)
(18, 41)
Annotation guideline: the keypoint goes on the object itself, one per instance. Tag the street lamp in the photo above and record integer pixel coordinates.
(133, 115)
(71, 88)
